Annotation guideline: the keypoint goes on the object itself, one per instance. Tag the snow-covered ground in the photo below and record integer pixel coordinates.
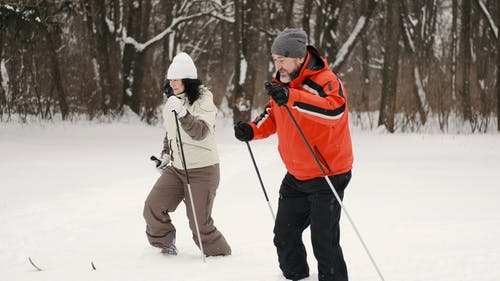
(72, 193)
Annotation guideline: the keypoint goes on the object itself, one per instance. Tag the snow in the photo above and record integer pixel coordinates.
(243, 70)
(72, 193)
(420, 88)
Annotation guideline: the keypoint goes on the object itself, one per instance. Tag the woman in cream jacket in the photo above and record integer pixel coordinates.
(193, 104)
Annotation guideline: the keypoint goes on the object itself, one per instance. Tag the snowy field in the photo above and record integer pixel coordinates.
(427, 205)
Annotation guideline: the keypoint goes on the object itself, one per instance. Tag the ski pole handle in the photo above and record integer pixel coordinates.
(156, 160)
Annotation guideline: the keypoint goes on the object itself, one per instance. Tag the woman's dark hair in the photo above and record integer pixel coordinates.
(192, 89)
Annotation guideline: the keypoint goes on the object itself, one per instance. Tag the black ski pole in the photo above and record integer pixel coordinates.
(188, 185)
(334, 191)
(260, 180)
(156, 160)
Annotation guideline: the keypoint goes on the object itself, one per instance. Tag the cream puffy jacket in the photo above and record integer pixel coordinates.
(199, 122)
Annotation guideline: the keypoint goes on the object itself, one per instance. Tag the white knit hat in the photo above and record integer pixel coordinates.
(182, 66)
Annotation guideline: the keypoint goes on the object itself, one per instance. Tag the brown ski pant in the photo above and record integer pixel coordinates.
(168, 192)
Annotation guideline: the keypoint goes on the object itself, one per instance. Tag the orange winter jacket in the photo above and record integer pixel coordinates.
(318, 102)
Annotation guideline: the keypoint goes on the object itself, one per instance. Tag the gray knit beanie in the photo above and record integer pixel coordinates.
(290, 43)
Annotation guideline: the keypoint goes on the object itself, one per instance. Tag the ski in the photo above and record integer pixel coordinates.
(92, 265)
(34, 265)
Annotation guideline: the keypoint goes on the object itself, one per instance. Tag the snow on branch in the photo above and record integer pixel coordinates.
(487, 14)
(4, 74)
(222, 17)
(140, 47)
(350, 42)
(408, 33)
(420, 89)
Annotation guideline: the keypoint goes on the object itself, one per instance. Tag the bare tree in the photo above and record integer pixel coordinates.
(241, 102)
(391, 67)
(127, 46)
(466, 59)
(419, 25)
(357, 32)
(56, 74)
(3, 84)
(484, 47)
(306, 17)
(493, 27)
(138, 41)
(454, 49)
(327, 18)
(105, 54)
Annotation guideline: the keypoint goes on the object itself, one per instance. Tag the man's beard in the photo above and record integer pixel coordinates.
(289, 77)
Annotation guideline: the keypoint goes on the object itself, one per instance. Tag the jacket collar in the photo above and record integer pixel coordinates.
(313, 64)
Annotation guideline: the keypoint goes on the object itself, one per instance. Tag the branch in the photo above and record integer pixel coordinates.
(222, 17)
(349, 44)
(485, 12)
(407, 32)
(358, 30)
(140, 47)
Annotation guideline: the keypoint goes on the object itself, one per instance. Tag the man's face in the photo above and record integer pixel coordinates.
(286, 66)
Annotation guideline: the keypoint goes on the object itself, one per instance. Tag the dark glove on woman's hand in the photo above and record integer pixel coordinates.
(243, 131)
(278, 92)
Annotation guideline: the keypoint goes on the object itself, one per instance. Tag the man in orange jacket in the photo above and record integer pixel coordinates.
(305, 87)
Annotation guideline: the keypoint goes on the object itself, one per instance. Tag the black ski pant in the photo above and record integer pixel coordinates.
(310, 203)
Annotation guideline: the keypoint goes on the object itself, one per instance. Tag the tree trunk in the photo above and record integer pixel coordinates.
(56, 73)
(365, 97)
(101, 52)
(239, 104)
(307, 16)
(454, 49)
(418, 45)
(252, 41)
(133, 61)
(390, 69)
(3, 97)
(498, 68)
(466, 56)
(328, 43)
(115, 60)
(288, 8)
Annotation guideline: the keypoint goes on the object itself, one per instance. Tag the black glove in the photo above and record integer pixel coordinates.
(166, 89)
(278, 92)
(243, 131)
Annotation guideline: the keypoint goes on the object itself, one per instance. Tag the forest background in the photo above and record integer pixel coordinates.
(404, 63)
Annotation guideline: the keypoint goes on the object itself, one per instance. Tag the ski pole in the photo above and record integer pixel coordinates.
(334, 191)
(260, 180)
(156, 160)
(189, 186)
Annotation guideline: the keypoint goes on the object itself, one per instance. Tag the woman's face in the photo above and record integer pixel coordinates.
(177, 86)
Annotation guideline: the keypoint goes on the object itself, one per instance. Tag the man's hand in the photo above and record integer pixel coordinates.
(175, 104)
(243, 131)
(278, 92)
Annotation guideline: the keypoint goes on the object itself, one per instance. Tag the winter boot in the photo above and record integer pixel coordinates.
(169, 250)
